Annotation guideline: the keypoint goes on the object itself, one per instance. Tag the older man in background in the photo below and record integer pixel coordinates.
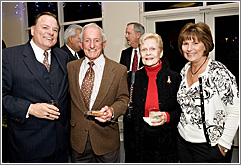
(72, 42)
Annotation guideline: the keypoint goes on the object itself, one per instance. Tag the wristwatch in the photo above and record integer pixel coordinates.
(225, 150)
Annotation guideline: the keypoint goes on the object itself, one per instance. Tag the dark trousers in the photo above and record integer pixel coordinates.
(200, 153)
(58, 156)
(5, 150)
(88, 156)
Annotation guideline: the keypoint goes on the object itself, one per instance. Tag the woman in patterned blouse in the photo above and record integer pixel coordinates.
(205, 139)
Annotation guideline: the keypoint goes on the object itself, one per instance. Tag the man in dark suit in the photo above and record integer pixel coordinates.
(34, 89)
(71, 40)
(96, 138)
(134, 31)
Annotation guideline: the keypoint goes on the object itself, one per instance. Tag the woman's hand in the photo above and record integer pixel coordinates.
(220, 149)
(161, 120)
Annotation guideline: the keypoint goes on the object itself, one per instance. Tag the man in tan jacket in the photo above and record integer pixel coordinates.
(96, 138)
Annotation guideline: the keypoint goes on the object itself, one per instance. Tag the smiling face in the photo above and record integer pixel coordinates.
(45, 32)
(193, 51)
(150, 52)
(92, 44)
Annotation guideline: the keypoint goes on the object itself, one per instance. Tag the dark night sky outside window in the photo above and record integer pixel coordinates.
(81, 10)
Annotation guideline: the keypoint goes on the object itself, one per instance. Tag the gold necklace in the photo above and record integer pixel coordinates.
(198, 68)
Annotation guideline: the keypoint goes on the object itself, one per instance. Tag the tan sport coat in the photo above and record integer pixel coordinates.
(104, 137)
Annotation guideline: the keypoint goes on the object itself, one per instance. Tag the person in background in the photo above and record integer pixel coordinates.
(155, 87)
(99, 96)
(130, 57)
(34, 89)
(205, 137)
(71, 40)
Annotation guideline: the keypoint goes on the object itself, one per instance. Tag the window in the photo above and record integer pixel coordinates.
(74, 11)
(153, 6)
(168, 23)
(34, 8)
(80, 13)
(227, 42)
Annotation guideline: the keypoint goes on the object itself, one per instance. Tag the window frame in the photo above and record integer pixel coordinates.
(61, 22)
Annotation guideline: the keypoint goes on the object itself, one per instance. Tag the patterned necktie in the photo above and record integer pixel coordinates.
(46, 61)
(87, 84)
(135, 62)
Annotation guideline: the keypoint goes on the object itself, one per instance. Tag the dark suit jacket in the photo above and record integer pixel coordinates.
(71, 57)
(126, 58)
(23, 83)
(113, 91)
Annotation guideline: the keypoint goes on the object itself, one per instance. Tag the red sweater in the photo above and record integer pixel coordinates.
(152, 100)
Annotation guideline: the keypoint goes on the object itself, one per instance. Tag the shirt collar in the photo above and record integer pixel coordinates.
(39, 52)
(71, 50)
(133, 50)
(98, 62)
(36, 49)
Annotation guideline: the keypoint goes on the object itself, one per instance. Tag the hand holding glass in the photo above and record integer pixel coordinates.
(152, 112)
(96, 113)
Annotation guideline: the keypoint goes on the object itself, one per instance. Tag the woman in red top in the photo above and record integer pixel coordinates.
(155, 87)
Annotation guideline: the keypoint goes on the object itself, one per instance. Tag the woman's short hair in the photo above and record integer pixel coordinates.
(198, 32)
(149, 36)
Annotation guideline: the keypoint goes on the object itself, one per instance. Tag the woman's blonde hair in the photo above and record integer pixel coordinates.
(154, 36)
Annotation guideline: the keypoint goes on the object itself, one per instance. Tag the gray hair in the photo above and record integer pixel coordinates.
(71, 31)
(92, 25)
(138, 28)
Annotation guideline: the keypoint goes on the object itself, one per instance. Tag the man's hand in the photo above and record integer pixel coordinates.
(44, 110)
(105, 118)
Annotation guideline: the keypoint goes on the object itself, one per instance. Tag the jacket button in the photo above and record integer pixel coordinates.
(86, 129)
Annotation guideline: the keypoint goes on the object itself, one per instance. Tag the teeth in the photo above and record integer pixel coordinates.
(92, 50)
(49, 38)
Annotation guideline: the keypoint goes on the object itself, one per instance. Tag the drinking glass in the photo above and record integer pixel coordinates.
(53, 102)
(152, 112)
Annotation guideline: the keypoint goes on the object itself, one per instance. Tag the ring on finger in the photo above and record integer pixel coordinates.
(47, 114)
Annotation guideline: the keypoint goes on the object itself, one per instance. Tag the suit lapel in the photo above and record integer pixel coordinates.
(69, 53)
(60, 61)
(106, 82)
(32, 63)
(62, 64)
(128, 59)
(76, 93)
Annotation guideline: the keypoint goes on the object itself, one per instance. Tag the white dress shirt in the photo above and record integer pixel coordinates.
(98, 67)
(39, 53)
(132, 57)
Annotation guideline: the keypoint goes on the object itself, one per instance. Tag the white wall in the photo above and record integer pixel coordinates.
(12, 25)
(116, 15)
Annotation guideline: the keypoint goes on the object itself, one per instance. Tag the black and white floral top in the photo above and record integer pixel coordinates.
(221, 105)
